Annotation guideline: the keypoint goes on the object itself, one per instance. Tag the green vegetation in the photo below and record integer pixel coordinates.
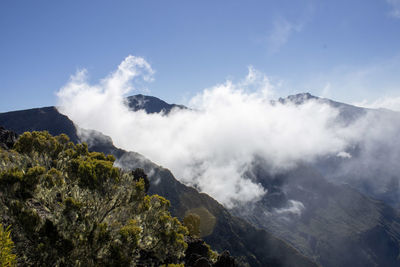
(68, 206)
(7, 258)
(192, 222)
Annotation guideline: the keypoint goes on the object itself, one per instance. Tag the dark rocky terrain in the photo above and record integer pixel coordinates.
(7, 138)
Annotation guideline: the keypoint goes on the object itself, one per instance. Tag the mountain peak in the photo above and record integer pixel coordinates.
(150, 104)
(297, 99)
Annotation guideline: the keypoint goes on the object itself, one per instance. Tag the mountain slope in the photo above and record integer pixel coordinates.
(255, 246)
(68, 207)
(259, 247)
(39, 119)
(333, 224)
(347, 113)
(371, 165)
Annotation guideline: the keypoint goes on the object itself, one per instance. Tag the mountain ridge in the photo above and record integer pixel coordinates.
(315, 235)
(255, 246)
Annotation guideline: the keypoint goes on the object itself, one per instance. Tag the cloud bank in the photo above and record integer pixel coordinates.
(212, 144)
(392, 103)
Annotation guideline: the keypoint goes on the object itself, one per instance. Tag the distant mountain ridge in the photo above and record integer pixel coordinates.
(358, 240)
(150, 104)
(38, 119)
(337, 225)
(254, 246)
(348, 113)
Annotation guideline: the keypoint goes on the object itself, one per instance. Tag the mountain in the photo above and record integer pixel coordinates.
(329, 210)
(39, 119)
(66, 206)
(220, 229)
(371, 165)
(347, 113)
(333, 224)
(150, 104)
(333, 211)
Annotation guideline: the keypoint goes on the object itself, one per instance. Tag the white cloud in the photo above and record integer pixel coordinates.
(344, 154)
(280, 34)
(294, 207)
(392, 103)
(213, 144)
(395, 4)
(375, 164)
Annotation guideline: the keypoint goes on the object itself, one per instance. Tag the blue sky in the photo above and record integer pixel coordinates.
(345, 50)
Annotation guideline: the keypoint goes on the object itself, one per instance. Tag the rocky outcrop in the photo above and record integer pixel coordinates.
(198, 255)
(7, 138)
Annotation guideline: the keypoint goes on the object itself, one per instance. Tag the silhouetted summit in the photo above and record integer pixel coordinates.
(150, 104)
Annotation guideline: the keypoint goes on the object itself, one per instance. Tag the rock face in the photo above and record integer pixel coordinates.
(196, 253)
(7, 138)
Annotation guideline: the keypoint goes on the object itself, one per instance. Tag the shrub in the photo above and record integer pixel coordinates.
(32, 177)
(7, 258)
(130, 233)
(192, 222)
(11, 176)
(72, 207)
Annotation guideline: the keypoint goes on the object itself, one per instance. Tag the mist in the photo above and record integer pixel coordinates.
(212, 144)
(372, 164)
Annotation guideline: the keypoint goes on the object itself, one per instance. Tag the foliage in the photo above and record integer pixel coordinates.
(73, 207)
(138, 174)
(192, 222)
(7, 258)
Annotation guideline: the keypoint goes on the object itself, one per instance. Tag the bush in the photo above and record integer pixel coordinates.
(130, 233)
(11, 176)
(7, 258)
(72, 207)
(32, 177)
(192, 222)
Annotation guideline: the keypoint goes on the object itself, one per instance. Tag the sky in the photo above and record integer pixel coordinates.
(345, 50)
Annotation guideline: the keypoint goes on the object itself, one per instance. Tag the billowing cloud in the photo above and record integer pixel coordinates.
(212, 144)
